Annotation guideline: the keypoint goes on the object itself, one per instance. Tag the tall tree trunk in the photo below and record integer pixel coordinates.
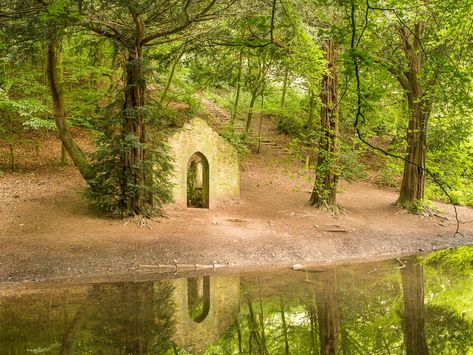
(238, 88)
(12, 155)
(60, 66)
(328, 313)
(326, 174)
(413, 181)
(135, 198)
(284, 87)
(310, 118)
(171, 76)
(414, 322)
(250, 111)
(75, 153)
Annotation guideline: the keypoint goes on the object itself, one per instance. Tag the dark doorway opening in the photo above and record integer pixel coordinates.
(198, 181)
(198, 297)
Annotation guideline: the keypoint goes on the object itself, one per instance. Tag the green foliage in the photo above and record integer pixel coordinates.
(255, 50)
(241, 141)
(460, 258)
(289, 124)
(351, 166)
(112, 189)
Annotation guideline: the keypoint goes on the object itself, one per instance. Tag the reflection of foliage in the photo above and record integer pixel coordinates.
(458, 258)
(452, 334)
(276, 314)
(132, 317)
(371, 309)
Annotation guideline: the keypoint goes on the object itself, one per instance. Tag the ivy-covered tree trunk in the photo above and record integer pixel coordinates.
(324, 191)
(414, 322)
(135, 196)
(413, 181)
(310, 117)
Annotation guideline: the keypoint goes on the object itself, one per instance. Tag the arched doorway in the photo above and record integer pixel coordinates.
(198, 298)
(198, 181)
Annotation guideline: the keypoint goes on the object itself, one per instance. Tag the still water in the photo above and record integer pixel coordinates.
(389, 307)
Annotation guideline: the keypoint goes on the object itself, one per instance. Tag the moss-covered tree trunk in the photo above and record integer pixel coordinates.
(135, 195)
(324, 191)
(413, 181)
(75, 153)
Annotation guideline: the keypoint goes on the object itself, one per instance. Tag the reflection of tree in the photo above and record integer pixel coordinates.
(414, 322)
(314, 331)
(328, 312)
(284, 326)
(451, 333)
(257, 338)
(75, 325)
(130, 318)
(352, 311)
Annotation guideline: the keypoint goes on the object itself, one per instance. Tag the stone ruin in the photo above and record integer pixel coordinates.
(206, 167)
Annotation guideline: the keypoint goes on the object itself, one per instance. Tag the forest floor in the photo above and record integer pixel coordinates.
(48, 232)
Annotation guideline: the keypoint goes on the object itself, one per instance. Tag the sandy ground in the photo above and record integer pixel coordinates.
(47, 231)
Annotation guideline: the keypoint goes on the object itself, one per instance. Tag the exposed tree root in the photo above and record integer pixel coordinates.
(423, 208)
(335, 210)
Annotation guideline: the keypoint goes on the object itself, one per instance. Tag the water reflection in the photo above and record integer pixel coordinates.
(219, 298)
(377, 308)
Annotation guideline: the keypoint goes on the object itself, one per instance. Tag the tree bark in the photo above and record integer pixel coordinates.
(284, 87)
(238, 89)
(326, 175)
(328, 313)
(171, 76)
(310, 118)
(413, 181)
(414, 322)
(75, 153)
(250, 111)
(135, 198)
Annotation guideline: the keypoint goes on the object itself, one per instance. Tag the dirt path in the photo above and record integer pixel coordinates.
(47, 231)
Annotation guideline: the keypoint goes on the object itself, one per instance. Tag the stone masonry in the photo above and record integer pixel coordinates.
(224, 171)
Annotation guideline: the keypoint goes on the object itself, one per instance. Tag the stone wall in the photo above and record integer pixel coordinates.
(224, 169)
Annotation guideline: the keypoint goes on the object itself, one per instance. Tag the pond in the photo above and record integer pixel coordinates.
(390, 307)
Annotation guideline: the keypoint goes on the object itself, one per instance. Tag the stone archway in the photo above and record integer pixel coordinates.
(198, 181)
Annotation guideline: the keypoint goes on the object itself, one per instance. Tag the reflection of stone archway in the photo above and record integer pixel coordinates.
(195, 335)
(198, 297)
(198, 181)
